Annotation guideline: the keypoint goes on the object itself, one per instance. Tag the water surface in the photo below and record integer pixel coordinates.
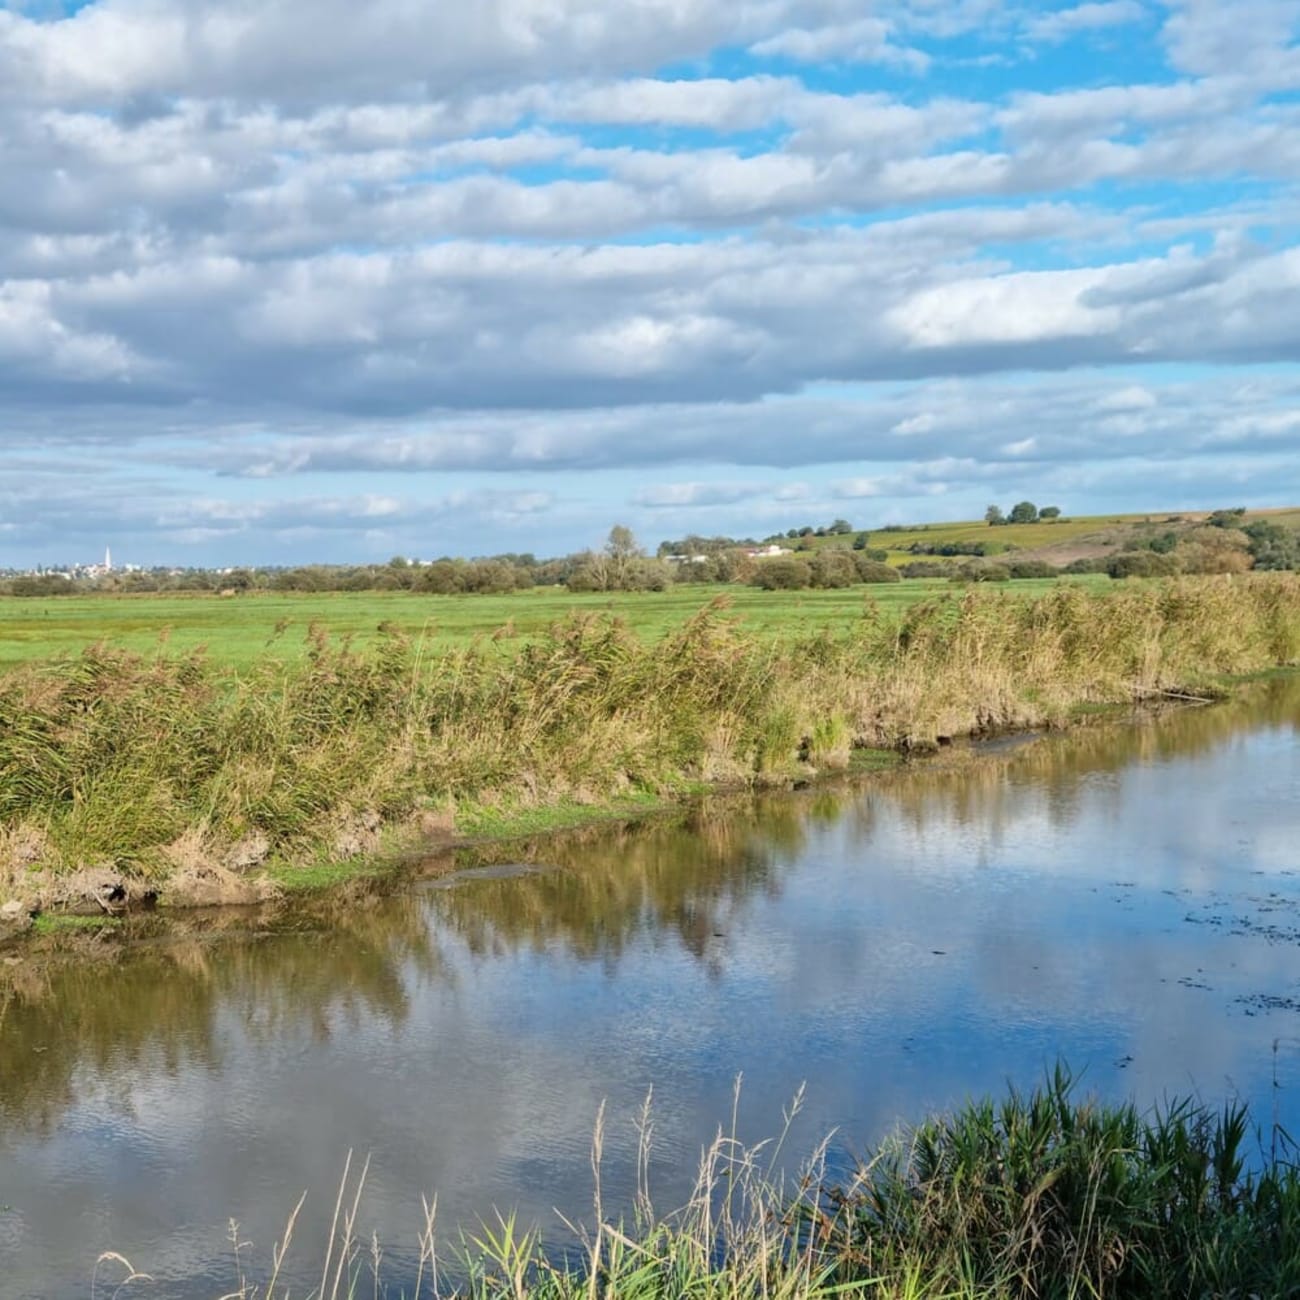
(1127, 897)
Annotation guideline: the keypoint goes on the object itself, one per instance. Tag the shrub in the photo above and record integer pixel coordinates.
(441, 579)
(982, 573)
(1087, 564)
(831, 569)
(875, 571)
(1227, 518)
(1273, 546)
(1142, 564)
(49, 584)
(1021, 569)
(782, 573)
(926, 569)
(949, 549)
(642, 574)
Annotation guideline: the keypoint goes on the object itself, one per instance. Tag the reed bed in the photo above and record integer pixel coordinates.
(153, 765)
(1039, 1196)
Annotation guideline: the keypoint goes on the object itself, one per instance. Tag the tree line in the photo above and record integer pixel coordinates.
(1222, 543)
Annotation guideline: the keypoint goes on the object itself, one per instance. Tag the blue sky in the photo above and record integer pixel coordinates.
(326, 281)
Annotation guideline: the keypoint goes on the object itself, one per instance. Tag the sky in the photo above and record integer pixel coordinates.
(310, 280)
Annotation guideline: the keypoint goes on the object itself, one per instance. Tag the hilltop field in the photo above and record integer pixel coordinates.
(1058, 541)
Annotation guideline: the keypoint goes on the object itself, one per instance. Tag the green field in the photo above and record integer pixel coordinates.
(237, 630)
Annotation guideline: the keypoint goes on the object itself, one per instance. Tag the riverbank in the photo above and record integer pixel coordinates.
(127, 781)
(1044, 1195)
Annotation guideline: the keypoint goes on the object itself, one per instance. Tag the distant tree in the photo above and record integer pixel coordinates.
(993, 515)
(1050, 512)
(621, 548)
(1024, 512)
(860, 541)
(590, 573)
(840, 527)
(621, 543)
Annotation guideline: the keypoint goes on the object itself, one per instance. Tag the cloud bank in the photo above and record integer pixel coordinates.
(312, 280)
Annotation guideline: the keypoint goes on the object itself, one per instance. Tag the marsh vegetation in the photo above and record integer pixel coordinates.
(162, 765)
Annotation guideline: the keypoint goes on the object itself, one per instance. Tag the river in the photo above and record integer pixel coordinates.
(1125, 897)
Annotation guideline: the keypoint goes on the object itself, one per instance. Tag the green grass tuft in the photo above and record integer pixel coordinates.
(49, 923)
(1038, 1196)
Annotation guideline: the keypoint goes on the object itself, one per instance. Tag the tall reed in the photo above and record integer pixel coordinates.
(142, 763)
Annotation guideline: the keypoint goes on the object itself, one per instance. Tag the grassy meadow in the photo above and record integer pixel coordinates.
(239, 631)
(168, 772)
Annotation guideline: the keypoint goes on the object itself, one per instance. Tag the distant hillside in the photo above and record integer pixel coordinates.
(1059, 542)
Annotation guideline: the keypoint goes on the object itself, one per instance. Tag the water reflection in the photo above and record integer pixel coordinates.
(683, 882)
(1124, 895)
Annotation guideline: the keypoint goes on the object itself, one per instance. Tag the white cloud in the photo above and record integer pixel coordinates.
(1256, 41)
(1061, 24)
(319, 51)
(866, 40)
(678, 495)
(1132, 398)
(854, 488)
